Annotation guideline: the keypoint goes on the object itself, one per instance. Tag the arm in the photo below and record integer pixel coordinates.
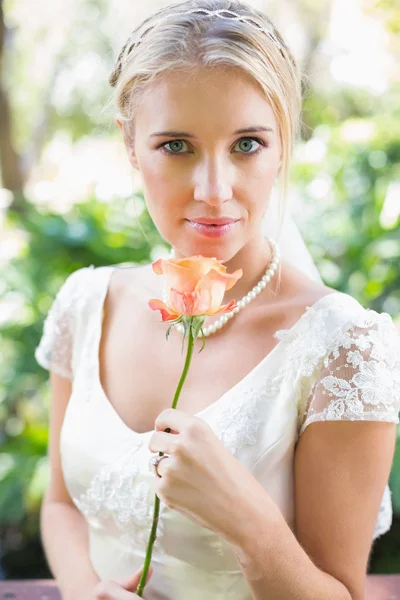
(63, 529)
(341, 468)
(338, 466)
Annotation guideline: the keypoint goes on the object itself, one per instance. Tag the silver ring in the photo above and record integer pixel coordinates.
(154, 462)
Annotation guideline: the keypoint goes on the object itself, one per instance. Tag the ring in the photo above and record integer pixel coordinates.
(154, 462)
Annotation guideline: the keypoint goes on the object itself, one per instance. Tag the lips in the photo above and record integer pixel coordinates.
(214, 221)
(213, 230)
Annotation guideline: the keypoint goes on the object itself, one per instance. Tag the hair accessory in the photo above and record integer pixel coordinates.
(222, 13)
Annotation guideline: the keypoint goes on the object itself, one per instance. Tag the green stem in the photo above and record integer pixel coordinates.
(153, 532)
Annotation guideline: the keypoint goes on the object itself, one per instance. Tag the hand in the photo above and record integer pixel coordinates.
(201, 478)
(123, 590)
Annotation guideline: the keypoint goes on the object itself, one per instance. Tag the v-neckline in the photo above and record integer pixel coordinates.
(98, 317)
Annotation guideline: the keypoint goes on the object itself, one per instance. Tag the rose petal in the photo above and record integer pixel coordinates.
(232, 278)
(195, 285)
(180, 278)
(203, 301)
(214, 284)
(201, 264)
(183, 302)
(158, 266)
(226, 307)
(166, 312)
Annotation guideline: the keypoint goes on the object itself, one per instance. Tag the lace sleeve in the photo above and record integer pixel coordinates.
(359, 378)
(54, 351)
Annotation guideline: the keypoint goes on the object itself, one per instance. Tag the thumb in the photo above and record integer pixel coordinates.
(132, 582)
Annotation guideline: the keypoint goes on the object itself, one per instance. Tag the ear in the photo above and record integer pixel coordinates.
(132, 158)
(129, 145)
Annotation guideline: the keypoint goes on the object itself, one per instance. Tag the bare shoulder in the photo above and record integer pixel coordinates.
(298, 291)
(131, 282)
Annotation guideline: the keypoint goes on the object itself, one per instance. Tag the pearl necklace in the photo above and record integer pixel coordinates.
(265, 279)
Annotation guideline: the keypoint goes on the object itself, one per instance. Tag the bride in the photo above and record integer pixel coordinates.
(275, 478)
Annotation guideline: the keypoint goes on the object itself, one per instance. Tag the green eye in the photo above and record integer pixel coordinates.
(246, 144)
(175, 145)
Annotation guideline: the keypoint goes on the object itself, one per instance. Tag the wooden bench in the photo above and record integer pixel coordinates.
(378, 587)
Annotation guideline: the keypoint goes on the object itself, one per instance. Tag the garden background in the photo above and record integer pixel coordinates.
(68, 198)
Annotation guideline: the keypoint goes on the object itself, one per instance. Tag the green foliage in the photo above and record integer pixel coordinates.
(356, 250)
(92, 233)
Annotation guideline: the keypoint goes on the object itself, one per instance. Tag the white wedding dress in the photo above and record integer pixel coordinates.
(339, 361)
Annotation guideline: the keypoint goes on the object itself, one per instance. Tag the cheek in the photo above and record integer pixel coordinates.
(159, 189)
(256, 183)
(164, 196)
(161, 176)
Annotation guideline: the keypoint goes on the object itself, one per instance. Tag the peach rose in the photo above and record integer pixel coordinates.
(195, 286)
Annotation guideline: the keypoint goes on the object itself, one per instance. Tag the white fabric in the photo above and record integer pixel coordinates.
(339, 361)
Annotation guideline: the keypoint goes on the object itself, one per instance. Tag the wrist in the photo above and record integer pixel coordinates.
(255, 533)
(82, 590)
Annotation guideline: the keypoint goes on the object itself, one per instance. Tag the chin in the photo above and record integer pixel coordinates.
(222, 255)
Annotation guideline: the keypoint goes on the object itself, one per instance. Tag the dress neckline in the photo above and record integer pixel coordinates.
(98, 319)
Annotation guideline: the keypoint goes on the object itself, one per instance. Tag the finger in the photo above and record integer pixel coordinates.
(161, 441)
(131, 583)
(173, 418)
(162, 467)
(111, 590)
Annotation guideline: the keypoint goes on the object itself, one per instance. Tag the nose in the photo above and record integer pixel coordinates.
(213, 182)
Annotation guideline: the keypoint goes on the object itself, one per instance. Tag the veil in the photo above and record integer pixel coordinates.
(291, 243)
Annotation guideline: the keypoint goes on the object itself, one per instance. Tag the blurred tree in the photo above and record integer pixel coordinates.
(345, 197)
(12, 176)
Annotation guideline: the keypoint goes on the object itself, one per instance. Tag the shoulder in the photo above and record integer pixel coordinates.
(298, 293)
(352, 320)
(353, 368)
(299, 300)
(76, 283)
(334, 322)
(80, 291)
(362, 338)
(128, 282)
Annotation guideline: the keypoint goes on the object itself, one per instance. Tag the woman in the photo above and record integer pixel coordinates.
(268, 489)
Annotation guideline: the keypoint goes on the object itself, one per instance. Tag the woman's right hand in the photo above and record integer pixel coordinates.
(122, 590)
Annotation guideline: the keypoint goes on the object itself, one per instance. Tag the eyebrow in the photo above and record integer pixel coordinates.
(254, 129)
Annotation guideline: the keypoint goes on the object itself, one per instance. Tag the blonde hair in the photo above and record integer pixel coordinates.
(168, 40)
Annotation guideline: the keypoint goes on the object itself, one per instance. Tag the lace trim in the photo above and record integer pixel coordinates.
(385, 515)
(54, 351)
(360, 374)
(116, 495)
(238, 421)
(354, 373)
